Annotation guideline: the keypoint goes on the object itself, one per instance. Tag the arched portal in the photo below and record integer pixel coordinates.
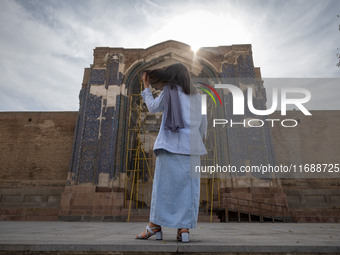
(142, 127)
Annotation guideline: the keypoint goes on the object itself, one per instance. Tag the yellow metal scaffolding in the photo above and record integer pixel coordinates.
(135, 153)
(138, 165)
(210, 160)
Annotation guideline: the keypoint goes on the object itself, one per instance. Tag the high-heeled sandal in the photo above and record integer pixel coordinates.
(183, 235)
(150, 232)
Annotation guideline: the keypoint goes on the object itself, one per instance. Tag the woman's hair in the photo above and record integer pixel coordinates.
(175, 74)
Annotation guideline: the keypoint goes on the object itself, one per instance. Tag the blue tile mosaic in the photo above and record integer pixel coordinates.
(97, 128)
(121, 164)
(88, 163)
(78, 136)
(114, 77)
(93, 153)
(114, 129)
(245, 67)
(94, 105)
(247, 145)
(97, 77)
(228, 71)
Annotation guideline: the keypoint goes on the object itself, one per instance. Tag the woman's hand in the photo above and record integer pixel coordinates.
(145, 79)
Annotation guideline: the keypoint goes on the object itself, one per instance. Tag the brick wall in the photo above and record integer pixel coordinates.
(316, 139)
(36, 145)
(34, 162)
(36, 148)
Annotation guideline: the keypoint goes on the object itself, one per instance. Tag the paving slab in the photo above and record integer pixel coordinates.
(35, 236)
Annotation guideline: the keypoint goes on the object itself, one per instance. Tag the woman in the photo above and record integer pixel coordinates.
(179, 144)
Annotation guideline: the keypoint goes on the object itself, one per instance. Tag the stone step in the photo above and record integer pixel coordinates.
(29, 214)
(315, 215)
(206, 218)
(265, 201)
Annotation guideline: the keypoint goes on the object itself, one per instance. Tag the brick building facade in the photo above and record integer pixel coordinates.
(97, 164)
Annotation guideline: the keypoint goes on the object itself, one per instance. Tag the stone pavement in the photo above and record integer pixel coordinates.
(37, 237)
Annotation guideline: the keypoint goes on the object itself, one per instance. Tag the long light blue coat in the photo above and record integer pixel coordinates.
(189, 139)
(176, 188)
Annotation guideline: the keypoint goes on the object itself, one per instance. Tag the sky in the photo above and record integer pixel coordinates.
(46, 44)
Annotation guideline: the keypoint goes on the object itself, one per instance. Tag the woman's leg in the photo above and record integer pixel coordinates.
(145, 234)
(183, 235)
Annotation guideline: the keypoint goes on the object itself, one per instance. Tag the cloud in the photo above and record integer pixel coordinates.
(45, 45)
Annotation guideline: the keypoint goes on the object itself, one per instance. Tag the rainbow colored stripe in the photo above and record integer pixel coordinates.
(213, 90)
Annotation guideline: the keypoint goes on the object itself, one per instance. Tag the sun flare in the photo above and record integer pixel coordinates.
(200, 28)
(194, 48)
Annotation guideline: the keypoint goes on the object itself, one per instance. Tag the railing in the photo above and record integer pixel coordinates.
(251, 207)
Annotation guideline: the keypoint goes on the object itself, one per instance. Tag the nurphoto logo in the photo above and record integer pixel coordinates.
(239, 103)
